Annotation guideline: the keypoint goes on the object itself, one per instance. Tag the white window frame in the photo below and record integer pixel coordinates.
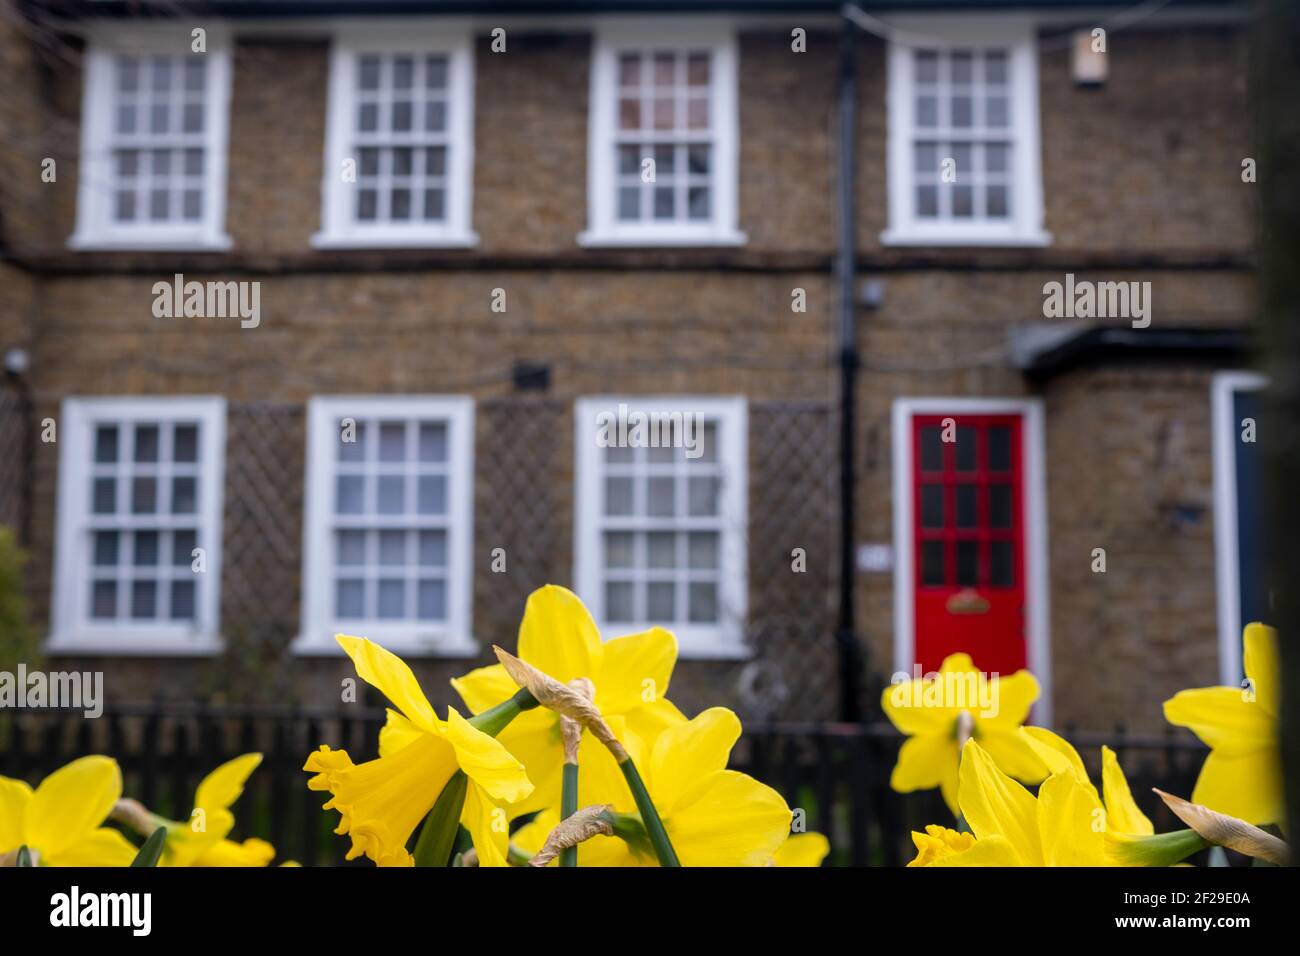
(95, 227)
(1225, 431)
(725, 640)
(1017, 35)
(339, 228)
(319, 625)
(615, 35)
(72, 629)
(1038, 644)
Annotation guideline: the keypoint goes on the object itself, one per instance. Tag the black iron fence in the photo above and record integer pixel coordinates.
(835, 776)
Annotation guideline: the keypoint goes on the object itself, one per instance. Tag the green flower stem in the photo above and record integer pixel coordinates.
(516, 856)
(568, 807)
(495, 719)
(24, 856)
(438, 835)
(151, 849)
(1160, 849)
(654, 827)
(628, 828)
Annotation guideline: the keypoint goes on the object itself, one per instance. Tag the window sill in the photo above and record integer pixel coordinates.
(130, 645)
(680, 238)
(441, 240)
(433, 647)
(1032, 240)
(150, 242)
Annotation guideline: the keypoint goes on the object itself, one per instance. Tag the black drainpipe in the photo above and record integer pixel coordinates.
(846, 637)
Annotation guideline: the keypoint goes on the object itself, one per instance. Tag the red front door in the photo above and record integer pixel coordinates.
(968, 534)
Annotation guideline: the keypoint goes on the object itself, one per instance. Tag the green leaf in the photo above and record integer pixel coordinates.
(24, 856)
(654, 827)
(438, 835)
(151, 849)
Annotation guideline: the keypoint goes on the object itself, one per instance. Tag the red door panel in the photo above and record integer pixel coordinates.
(968, 535)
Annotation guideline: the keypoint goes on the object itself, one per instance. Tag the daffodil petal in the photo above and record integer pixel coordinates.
(904, 704)
(486, 823)
(1122, 813)
(1243, 785)
(987, 851)
(222, 787)
(802, 850)
(734, 821)
(15, 795)
(486, 762)
(558, 636)
(687, 754)
(1056, 753)
(100, 847)
(71, 803)
(923, 763)
(396, 733)
(1012, 751)
(484, 687)
(1223, 718)
(1071, 823)
(1263, 666)
(635, 671)
(389, 674)
(600, 779)
(251, 853)
(995, 805)
(959, 663)
(1014, 695)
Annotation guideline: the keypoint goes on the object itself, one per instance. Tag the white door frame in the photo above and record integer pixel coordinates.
(1034, 482)
(1223, 387)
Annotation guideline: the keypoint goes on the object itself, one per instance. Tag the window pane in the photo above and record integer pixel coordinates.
(703, 495)
(703, 550)
(967, 563)
(352, 440)
(106, 548)
(146, 443)
(349, 497)
(703, 602)
(350, 597)
(146, 549)
(966, 513)
(966, 449)
(619, 601)
(433, 549)
(183, 545)
(932, 506)
(432, 495)
(999, 448)
(392, 441)
(432, 601)
(185, 444)
(433, 441)
(999, 506)
(661, 549)
(660, 497)
(931, 449)
(392, 547)
(144, 495)
(144, 599)
(392, 599)
(103, 599)
(927, 66)
(106, 444)
(392, 495)
(104, 496)
(995, 202)
(1001, 571)
(184, 495)
(932, 571)
(618, 495)
(182, 601)
(351, 547)
(660, 600)
(620, 549)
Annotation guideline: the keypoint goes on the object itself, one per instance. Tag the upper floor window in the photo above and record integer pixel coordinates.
(153, 142)
(663, 144)
(399, 157)
(138, 558)
(964, 157)
(661, 518)
(389, 523)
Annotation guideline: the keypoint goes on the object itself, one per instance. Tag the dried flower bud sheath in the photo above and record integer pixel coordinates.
(564, 700)
(1223, 830)
(583, 825)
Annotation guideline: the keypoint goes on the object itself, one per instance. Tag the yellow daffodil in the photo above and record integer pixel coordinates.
(1242, 776)
(382, 801)
(1122, 815)
(713, 816)
(928, 711)
(938, 843)
(1062, 826)
(630, 675)
(60, 821)
(201, 840)
(802, 849)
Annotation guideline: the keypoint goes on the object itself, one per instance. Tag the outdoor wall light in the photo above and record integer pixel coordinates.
(17, 361)
(1088, 62)
(872, 293)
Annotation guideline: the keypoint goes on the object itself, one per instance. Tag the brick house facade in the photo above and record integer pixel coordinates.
(1139, 180)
